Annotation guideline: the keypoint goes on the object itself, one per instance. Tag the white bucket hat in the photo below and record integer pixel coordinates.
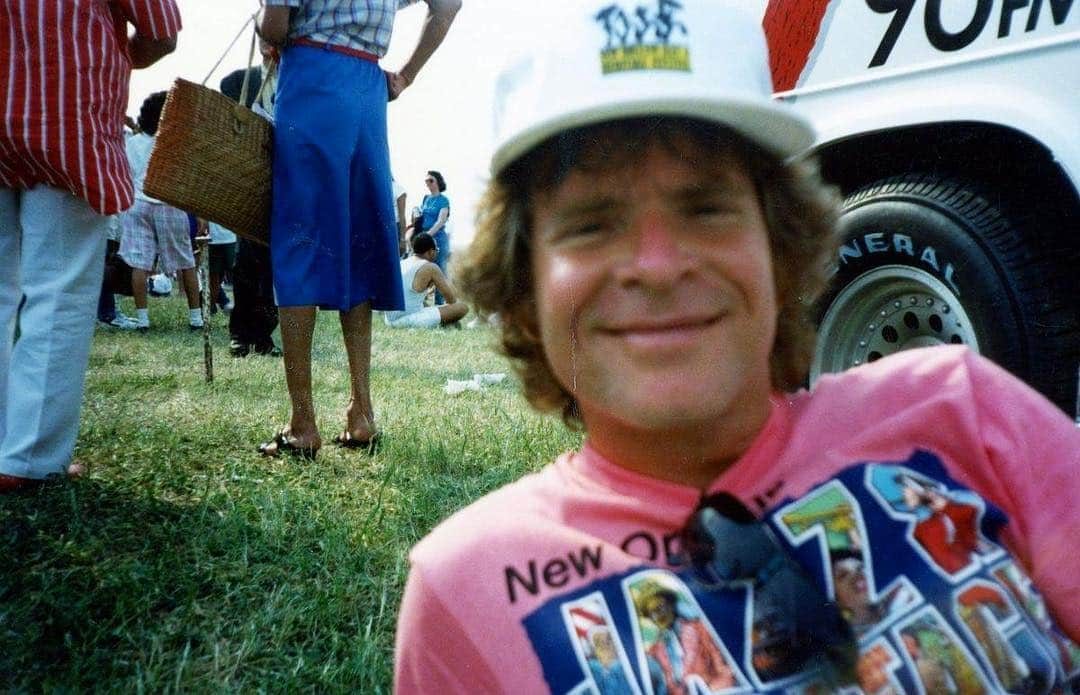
(616, 59)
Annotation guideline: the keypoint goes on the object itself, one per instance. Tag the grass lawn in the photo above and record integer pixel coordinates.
(183, 561)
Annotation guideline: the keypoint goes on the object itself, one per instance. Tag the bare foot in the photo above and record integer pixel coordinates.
(360, 421)
(286, 442)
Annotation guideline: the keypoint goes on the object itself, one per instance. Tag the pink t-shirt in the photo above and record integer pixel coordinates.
(928, 494)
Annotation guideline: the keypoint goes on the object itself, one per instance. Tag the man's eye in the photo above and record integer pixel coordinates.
(588, 228)
(709, 209)
(583, 230)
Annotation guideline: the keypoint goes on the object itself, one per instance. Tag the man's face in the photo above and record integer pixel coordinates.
(654, 290)
(912, 498)
(661, 612)
(936, 501)
(604, 647)
(849, 581)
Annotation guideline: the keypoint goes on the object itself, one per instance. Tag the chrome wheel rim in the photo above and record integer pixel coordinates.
(886, 310)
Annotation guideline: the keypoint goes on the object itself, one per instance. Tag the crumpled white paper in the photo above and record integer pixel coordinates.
(454, 387)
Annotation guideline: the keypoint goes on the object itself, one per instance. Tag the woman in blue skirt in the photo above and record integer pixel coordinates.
(333, 239)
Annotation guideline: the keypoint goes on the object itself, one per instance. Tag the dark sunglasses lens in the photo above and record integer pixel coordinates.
(793, 620)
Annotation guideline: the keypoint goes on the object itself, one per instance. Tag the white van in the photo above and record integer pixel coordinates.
(953, 130)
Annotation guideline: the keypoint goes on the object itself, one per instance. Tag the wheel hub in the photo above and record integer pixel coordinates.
(886, 310)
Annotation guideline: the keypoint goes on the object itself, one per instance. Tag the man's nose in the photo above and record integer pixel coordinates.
(656, 256)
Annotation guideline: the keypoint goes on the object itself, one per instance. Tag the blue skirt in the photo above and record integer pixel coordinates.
(333, 239)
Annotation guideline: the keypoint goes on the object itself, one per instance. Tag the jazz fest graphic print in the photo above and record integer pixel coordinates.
(643, 38)
(908, 555)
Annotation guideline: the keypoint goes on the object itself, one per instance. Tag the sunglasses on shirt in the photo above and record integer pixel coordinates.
(796, 627)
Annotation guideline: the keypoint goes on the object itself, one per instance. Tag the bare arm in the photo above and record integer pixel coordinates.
(439, 17)
(146, 51)
(274, 25)
(442, 283)
(440, 222)
(401, 217)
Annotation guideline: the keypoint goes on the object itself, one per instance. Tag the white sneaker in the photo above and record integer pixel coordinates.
(124, 323)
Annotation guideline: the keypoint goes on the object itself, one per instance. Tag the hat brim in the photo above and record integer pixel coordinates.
(772, 127)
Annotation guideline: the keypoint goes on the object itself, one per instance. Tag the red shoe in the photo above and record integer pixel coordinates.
(9, 483)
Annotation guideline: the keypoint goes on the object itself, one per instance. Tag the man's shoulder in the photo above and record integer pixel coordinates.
(232, 84)
(946, 383)
(908, 383)
(422, 265)
(908, 374)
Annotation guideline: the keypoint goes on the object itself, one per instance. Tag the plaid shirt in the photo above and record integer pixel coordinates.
(364, 25)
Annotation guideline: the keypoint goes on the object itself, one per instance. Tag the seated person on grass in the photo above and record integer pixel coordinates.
(419, 276)
(653, 246)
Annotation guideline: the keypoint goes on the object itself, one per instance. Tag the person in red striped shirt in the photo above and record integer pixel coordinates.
(64, 69)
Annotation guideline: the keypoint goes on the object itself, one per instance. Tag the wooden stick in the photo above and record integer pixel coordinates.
(204, 283)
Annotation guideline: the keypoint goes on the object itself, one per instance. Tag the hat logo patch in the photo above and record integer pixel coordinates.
(641, 39)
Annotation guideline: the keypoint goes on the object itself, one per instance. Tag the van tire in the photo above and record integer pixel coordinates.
(927, 260)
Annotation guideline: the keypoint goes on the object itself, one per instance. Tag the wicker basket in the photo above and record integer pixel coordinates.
(212, 158)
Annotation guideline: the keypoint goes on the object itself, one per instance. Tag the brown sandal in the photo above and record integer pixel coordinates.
(346, 440)
(282, 444)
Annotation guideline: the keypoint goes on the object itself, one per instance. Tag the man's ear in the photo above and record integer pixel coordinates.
(524, 315)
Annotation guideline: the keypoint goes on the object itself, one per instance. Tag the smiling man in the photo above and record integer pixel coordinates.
(654, 252)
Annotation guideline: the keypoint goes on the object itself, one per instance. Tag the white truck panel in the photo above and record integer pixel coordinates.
(1027, 98)
(855, 70)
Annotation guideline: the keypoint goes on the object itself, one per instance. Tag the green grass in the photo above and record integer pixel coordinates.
(183, 561)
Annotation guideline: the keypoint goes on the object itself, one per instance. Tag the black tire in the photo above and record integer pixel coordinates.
(927, 261)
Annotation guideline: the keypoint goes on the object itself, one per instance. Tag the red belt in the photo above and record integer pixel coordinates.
(355, 53)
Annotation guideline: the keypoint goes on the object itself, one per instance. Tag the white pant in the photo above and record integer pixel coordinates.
(425, 317)
(51, 246)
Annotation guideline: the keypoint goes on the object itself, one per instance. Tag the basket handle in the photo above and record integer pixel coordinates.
(238, 126)
(232, 43)
(251, 61)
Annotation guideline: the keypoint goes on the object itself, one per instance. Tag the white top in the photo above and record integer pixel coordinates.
(138, 148)
(414, 301)
(220, 235)
(399, 191)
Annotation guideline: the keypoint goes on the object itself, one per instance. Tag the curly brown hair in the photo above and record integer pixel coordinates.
(800, 213)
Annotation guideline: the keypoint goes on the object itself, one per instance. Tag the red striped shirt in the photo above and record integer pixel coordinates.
(64, 70)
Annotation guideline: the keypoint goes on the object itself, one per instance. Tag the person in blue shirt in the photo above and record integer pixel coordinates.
(436, 211)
